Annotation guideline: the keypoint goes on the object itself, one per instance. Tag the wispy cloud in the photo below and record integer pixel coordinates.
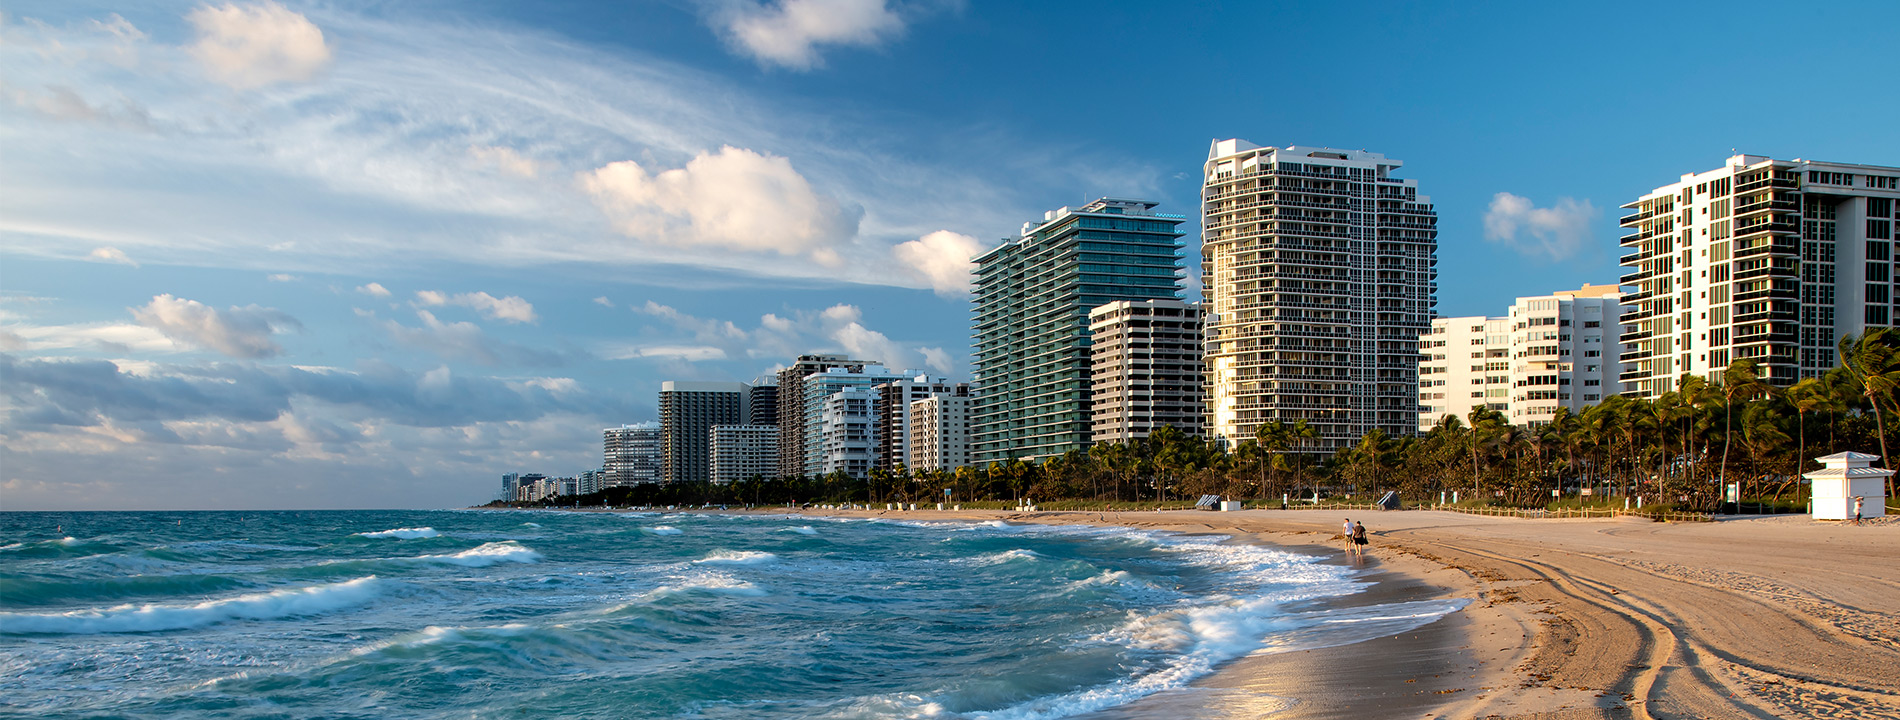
(1557, 233)
(466, 341)
(111, 255)
(511, 308)
(788, 33)
(241, 332)
(375, 290)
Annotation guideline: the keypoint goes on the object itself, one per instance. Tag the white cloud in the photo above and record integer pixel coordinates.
(1555, 232)
(939, 360)
(281, 277)
(787, 33)
(735, 200)
(111, 255)
(242, 332)
(256, 45)
(107, 337)
(512, 308)
(688, 353)
(374, 290)
(506, 159)
(941, 259)
(603, 302)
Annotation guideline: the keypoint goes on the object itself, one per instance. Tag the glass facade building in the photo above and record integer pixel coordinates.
(1030, 328)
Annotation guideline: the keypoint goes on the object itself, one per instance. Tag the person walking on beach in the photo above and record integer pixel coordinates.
(1352, 548)
(1359, 537)
(1857, 501)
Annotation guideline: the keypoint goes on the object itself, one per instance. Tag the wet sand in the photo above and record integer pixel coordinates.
(1777, 617)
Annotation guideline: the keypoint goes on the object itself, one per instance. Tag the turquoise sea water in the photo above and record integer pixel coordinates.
(354, 614)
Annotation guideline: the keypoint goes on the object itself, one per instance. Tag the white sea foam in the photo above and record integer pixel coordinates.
(739, 557)
(802, 530)
(1007, 556)
(714, 583)
(403, 533)
(486, 554)
(153, 617)
(663, 530)
(532, 524)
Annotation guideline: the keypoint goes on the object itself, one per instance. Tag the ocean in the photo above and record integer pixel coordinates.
(492, 614)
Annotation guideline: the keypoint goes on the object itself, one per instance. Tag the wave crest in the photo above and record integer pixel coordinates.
(403, 533)
(487, 554)
(153, 617)
(738, 557)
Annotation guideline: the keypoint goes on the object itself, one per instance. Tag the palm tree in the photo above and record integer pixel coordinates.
(1805, 397)
(1876, 369)
(1742, 379)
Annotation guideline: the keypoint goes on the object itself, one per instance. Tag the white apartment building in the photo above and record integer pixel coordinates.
(739, 452)
(1549, 351)
(847, 432)
(1767, 259)
(893, 416)
(1146, 369)
(631, 455)
(940, 432)
(818, 389)
(1318, 266)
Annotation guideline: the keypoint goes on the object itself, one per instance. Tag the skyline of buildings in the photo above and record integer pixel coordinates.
(1319, 280)
(1029, 327)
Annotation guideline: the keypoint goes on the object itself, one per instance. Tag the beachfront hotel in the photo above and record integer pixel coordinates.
(688, 411)
(1146, 369)
(1767, 259)
(741, 452)
(940, 432)
(630, 455)
(790, 399)
(1547, 352)
(1030, 326)
(1318, 267)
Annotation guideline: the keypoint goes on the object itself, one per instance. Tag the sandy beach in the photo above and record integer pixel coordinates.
(1769, 617)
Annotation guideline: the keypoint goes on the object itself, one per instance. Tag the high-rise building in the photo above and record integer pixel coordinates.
(761, 407)
(846, 434)
(818, 388)
(893, 415)
(631, 455)
(1549, 351)
(791, 406)
(940, 432)
(1318, 267)
(741, 452)
(1768, 259)
(1147, 369)
(1031, 322)
(688, 411)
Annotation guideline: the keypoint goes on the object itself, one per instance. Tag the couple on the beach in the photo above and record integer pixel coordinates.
(1355, 534)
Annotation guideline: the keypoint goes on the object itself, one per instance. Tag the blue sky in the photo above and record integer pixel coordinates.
(368, 254)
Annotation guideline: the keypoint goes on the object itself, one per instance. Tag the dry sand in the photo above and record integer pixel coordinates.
(1778, 617)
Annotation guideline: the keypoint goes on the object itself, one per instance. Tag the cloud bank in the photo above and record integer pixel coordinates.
(250, 46)
(240, 332)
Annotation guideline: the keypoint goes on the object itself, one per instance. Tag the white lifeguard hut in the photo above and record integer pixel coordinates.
(1844, 477)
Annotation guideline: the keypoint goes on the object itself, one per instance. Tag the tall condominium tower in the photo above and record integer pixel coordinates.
(893, 416)
(1031, 321)
(1767, 259)
(1318, 268)
(940, 432)
(761, 405)
(791, 406)
(1549, 351)
(1147, 369)
(688, 410)
(741, 452)
(631, 455)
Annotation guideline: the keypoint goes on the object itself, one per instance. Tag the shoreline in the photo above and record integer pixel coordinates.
(1772, 616)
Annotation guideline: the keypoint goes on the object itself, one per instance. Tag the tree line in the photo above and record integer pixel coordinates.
(1680, 448)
